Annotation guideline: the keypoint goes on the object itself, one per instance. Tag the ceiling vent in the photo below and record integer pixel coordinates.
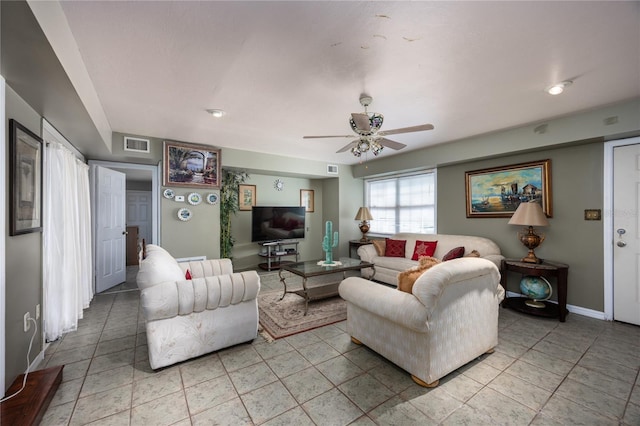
(136, 144)
(332, 169)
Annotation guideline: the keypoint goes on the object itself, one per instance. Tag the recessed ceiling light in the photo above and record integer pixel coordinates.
(556, 89)
(217, 113)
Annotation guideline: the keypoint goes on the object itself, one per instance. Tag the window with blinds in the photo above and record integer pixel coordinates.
(402, 203)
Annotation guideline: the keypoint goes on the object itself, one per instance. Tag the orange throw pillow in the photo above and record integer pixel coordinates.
(380, 246)
(407, 278)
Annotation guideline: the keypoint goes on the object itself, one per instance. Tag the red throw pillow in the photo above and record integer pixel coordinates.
(424, 248)
(454, 253)
(394, 248)
(187, 275)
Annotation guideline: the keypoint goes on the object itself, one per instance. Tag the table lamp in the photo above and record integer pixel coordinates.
(529, 214)
(364, 215)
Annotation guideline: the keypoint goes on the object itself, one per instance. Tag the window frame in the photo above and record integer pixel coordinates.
(398, 177)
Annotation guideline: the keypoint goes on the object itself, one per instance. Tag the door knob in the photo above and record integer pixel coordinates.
(621, 244)
(125, 233)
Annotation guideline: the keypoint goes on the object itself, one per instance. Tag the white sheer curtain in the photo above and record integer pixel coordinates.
(68, 287)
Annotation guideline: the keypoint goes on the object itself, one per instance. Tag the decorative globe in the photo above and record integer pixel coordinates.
(537, 288)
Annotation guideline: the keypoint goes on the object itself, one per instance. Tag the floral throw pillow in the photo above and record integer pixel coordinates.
(394, 248)
(424, 248)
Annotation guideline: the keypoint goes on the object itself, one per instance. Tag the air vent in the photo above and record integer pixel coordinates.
(332, 169)
(136, 144)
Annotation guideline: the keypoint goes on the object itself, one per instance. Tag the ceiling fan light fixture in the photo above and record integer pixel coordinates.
(217, 113)
(558, 88)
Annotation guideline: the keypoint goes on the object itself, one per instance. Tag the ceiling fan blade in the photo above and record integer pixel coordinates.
(320, 137)
(420, 128)
(389, 143)
(349, 146)
(362, 121)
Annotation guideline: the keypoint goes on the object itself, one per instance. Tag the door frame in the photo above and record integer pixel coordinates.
(607, 225)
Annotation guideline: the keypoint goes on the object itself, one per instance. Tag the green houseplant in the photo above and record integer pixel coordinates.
(231, 180)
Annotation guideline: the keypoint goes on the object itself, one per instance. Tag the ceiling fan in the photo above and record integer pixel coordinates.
(367, 126)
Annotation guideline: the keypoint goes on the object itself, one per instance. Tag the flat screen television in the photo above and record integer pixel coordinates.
(273, 223)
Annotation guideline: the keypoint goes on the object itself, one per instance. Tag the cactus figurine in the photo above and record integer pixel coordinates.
(327, 244)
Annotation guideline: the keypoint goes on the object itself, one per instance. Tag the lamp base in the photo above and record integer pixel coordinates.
(531, 258)
(364, 228)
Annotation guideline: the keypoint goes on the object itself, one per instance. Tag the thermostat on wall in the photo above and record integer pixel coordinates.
(179, 198)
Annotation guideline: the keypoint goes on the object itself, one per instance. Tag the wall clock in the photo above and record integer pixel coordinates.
(278, 185)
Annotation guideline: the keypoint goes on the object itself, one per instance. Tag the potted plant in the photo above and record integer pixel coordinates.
(231, 180)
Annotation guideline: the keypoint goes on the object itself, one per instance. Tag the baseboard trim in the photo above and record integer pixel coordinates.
(579, 310)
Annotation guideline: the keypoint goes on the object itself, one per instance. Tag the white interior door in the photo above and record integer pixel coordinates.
(626, 232)
(110, 187)
(139, 213)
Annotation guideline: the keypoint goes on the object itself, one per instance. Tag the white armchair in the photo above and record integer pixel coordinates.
(215, 309)
(449, 319)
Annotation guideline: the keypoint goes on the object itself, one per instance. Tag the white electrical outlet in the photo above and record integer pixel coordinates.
(27, 324)
(38, 311)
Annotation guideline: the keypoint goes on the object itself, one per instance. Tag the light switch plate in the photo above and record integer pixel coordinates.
(179, 198)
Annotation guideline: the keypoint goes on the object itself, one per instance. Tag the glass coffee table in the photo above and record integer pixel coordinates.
(313, 268)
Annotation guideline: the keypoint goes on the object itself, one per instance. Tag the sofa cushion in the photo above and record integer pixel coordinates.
(395, 248)
(454, 253)
(408, 277)
(380, 246)
(424, 248)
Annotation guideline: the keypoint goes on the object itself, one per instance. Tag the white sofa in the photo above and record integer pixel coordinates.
(387, 268)
(449, 319)
(188, 318)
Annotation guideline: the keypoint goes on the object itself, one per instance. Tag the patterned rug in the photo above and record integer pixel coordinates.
(282, 318)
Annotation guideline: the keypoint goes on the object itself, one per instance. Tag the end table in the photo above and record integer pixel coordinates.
(545, 269)
(355, 244)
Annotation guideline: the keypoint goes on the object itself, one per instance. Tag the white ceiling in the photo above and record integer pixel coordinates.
(282, 70)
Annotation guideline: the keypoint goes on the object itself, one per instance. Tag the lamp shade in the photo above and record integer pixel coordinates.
(529, 214)
(363, 214)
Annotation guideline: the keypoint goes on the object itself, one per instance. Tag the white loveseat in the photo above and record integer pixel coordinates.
(215, 309)
(387, 268)
(449, 319)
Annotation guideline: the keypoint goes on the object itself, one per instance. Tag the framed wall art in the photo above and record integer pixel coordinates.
(246, 196)
(497, 192)
(190, 165)
(306, 200)
(25, 153)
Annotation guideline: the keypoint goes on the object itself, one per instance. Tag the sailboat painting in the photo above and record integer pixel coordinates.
(498, 191)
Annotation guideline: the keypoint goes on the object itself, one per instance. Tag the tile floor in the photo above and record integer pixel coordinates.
(543, 372)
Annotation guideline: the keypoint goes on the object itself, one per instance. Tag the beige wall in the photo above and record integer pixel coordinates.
(23, 264)
(576, 185)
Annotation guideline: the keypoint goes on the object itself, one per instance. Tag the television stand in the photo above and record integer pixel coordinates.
(274, 251)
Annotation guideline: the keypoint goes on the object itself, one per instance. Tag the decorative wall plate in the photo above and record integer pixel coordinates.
(194, 198)
(278, 185)
(168, 193)
(212, 198)
(184, 214)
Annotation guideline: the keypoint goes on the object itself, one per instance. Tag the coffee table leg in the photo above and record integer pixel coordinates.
(306, 296)
(373, 268)
(284, 283)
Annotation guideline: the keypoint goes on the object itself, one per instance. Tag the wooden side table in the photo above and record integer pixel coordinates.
(545, 269)
(355, 244)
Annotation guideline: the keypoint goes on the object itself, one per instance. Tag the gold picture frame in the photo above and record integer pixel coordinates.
(498, 191)
(307, 200)
(246, 197)
(191, 165)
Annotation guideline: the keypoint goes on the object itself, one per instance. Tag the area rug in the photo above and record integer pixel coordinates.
(282, 318)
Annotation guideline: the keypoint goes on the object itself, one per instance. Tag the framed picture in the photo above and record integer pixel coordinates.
(306, 200)
(190, 165)
(246, 196)
(498, 191)
(25, 153)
